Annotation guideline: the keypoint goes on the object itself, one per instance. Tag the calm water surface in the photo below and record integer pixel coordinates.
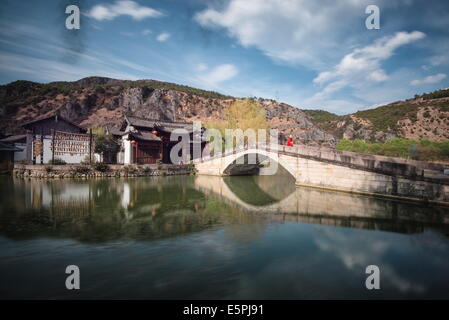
(215, 238)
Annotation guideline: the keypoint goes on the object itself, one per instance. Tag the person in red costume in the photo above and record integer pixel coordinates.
(290, 141)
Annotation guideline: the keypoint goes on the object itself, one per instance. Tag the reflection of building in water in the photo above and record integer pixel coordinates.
(110, 208)
(148, 208)
(61, 198)
(126, 197)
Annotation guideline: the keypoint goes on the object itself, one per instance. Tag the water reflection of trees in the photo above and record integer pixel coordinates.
(149, 208)
(107, 209)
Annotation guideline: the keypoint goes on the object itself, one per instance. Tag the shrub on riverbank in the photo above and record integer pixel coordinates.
(424, 150)
(82, 169)
(130, 170)
(146, 170)
(57, 161)
(101, 167)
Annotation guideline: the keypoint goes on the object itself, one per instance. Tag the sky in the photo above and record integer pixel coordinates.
(314, 54)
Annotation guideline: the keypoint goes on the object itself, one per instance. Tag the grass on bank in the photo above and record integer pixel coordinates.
(424, 150)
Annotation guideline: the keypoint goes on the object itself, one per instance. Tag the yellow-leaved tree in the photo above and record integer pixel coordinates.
(242, 114)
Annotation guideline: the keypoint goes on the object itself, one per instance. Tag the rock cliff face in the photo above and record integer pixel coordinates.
(293, 121)
(97, 101)
(94, 102)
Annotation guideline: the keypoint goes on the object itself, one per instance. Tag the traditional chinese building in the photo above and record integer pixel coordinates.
(54, 136)
(19, 143)
(143, 141)
(149, 140)
(45, 125)
(7, 152)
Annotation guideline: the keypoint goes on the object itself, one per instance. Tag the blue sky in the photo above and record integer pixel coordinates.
(311, 54)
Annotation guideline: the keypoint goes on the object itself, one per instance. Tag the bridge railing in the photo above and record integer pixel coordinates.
(380, 164)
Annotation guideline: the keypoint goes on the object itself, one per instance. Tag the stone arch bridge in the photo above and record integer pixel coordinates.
(339, 170)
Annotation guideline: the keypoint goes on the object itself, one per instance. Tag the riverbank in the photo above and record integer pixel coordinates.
(98, 170)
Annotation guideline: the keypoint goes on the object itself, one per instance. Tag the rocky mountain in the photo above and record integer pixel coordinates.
(97, 101)
(423, 117)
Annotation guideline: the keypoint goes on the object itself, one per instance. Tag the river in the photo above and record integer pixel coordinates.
(186, 237)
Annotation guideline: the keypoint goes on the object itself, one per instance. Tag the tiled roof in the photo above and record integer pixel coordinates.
(7, 147)
(115, 131)
(159, 124)
(14, 138)
(170, 129)
(52, 115)
(147, 136)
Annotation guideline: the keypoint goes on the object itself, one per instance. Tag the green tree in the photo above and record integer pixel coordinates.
(106, 145)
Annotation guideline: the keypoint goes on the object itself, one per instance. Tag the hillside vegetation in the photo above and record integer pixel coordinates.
(322, 116)
(26, 89)
(386, 117)
(424, 117)
(424, 150)
(444, 93)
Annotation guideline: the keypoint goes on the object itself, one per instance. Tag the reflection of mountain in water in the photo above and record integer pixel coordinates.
(149, 208)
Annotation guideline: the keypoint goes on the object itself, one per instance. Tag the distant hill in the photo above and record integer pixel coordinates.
(423, 117)
(100, 101)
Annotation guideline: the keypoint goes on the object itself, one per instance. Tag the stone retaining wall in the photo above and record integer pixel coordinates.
(329, 176)
(86, 171)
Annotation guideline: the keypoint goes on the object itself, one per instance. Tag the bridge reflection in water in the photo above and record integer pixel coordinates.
(277, 198)
(215, 238)
(165, 206)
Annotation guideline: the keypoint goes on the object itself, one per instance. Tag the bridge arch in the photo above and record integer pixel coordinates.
(345, 171)
(279, 160)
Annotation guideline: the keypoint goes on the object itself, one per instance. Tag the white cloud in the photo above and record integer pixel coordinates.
(429, 80)
(146, 32)
(439, 60)
(378, 76)
(219, 74)
(122, 8)
(302, 32)
(356, 255)
(269, 25)
(127, 34)
(201, 67)
(363, 65)
(366, 61)
(313, 34)
(7, 28)
(51, 70)
(337, 106)
(163, 36)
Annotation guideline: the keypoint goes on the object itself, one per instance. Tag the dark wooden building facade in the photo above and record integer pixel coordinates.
(150, 138)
